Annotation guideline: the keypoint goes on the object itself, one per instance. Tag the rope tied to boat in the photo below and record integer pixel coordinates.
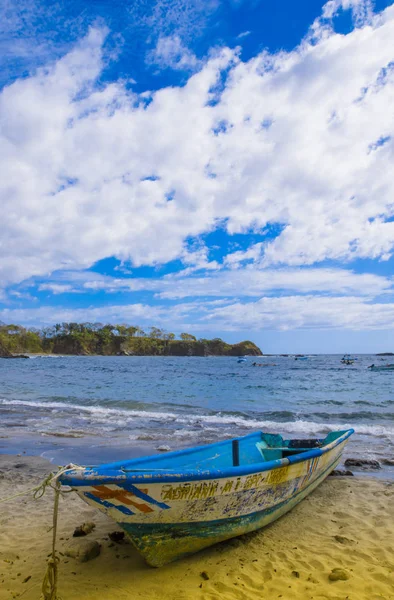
(49, 584)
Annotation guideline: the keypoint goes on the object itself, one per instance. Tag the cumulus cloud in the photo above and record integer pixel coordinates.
(303, 139)
(241, 282)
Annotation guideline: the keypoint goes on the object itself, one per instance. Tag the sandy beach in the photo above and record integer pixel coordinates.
(347, 523)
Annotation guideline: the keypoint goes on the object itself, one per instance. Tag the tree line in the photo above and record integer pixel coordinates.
(99, 338)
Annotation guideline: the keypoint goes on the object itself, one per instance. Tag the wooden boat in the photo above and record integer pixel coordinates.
(175, 504)
(388, 367)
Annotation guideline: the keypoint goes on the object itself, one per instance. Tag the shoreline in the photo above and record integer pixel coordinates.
(347, 523)
(63, 448)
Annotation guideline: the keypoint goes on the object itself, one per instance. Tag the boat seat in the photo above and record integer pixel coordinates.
(273, 453)
(268, 452)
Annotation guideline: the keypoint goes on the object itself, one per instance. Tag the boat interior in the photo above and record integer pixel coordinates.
(251, 449)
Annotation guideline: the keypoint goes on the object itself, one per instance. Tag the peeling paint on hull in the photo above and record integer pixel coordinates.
(169, 514)
(160, 545)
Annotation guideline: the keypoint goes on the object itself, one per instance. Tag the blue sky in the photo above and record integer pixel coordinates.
(222, 168)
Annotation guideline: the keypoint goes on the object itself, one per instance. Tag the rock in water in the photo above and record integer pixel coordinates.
(364, 463)
(83, 550)
(338, 575)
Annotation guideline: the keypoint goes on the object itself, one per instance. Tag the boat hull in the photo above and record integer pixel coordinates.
(164, 544)
(171, 519)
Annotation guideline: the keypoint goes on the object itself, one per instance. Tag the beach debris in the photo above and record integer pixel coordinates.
(26, 579)
(117, 536)
(295, 574)
(83, 551)
(343, 540)
(204, 575)
(364, 463)
(338, 575)
(341, 473)
(163, 448)
(84, 529)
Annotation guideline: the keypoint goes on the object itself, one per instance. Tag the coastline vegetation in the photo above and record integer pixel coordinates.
(96, 338)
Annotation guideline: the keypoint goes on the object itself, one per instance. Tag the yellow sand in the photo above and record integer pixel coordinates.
(346, 523)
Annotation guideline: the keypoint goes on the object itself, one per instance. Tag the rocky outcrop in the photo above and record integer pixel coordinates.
(5, 353)
(245, 348)
(86, 339)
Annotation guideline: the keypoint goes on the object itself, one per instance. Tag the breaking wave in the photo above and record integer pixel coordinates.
(184, 424)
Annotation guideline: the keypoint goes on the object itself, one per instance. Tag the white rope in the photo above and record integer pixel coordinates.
(49, 584)
(50, 480)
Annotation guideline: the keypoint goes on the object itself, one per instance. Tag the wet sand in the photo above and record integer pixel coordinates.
(347, 524)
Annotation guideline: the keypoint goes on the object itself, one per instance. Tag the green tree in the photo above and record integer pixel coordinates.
(156, 333)
(187, 337)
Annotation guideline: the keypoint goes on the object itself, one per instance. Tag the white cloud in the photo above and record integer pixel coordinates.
(187, 19)
(362, 10)
(283, 313)
(56, 288)
(48, 315)
(243, 35)
(304, 312)
(249, 281)
(171, 53)
(253, 282)
(91, 172)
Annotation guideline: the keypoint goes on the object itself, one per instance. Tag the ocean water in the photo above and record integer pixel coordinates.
(96, 408)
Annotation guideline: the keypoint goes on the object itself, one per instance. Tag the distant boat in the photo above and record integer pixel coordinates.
(388, 367)
(347, 359)
(175, 504)
(241, 359)
(301, 358)
(256, 364)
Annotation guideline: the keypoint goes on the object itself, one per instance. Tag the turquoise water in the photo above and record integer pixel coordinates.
(74, 408)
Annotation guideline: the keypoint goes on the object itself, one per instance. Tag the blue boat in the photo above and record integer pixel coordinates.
(347, 359)
(175, 504)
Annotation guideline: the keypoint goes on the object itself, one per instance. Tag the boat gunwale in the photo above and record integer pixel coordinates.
(77, 478)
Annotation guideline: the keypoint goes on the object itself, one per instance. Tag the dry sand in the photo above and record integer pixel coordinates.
(347, 523)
